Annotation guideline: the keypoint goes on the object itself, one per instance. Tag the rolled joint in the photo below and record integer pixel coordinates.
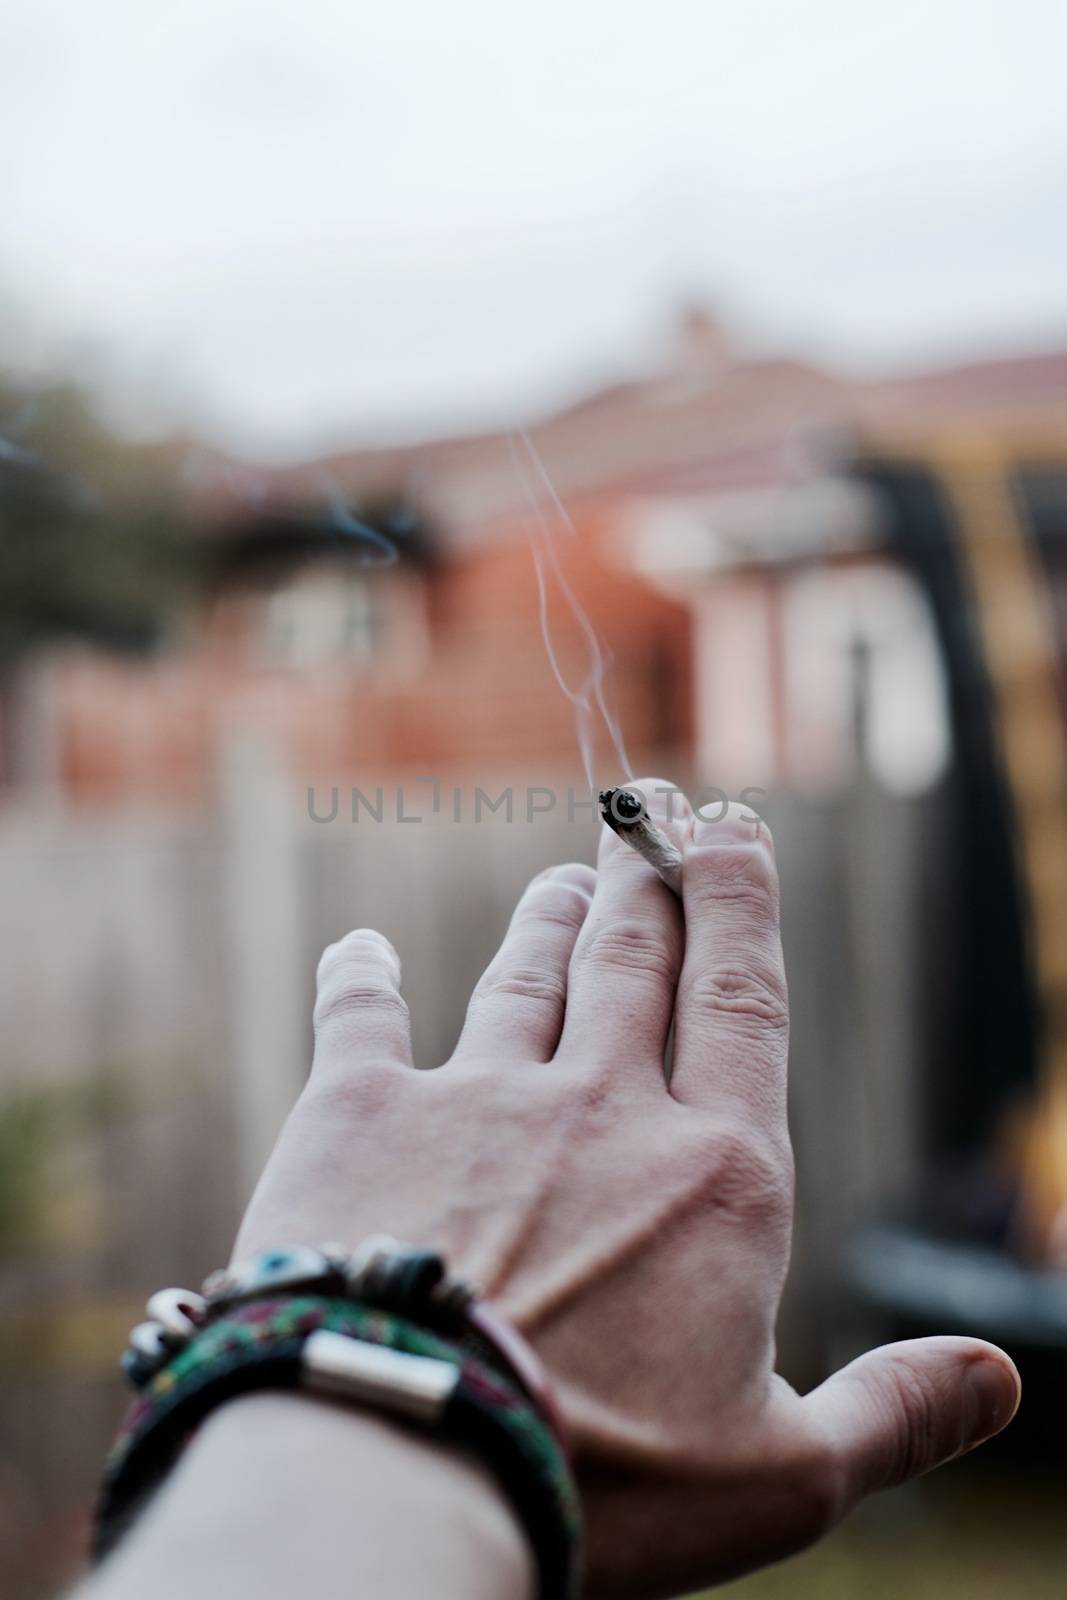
(625, 813)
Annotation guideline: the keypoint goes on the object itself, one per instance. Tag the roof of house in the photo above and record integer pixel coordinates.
(711, 420)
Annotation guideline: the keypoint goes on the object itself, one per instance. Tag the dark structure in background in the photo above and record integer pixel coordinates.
(986, 1043)
(983, 527)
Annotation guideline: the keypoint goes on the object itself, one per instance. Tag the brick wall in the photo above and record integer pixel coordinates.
(475, 689)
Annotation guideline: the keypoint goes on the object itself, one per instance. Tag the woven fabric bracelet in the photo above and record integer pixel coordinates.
(338, 1347)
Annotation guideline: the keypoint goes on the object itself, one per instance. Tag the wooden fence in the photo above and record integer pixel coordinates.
(154, 1013)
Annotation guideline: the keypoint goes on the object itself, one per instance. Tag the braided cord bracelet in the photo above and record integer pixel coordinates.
(291, 1341)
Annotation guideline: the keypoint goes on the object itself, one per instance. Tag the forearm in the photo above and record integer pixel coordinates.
(281, 1494)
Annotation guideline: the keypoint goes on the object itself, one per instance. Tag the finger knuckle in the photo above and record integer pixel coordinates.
(351, 1005)
(743, 875)
(554, 903)
(630, 946)
(750, 1173)
(751, 991)
(523, 983)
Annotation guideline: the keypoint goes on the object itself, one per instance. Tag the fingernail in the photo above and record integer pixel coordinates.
(991, 1392)
(726, 824)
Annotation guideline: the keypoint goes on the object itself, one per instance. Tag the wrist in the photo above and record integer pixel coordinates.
(278, 1483)
(385, 1328)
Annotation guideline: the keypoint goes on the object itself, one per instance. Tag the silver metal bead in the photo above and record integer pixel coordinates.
(179, 1312)
(402, 1384)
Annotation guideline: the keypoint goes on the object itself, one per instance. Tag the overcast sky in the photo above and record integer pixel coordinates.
(297, 222)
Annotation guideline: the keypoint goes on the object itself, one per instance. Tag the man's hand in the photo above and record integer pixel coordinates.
(636, 1230)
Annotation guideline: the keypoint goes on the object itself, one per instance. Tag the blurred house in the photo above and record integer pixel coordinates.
(439, 656)
(714, 533)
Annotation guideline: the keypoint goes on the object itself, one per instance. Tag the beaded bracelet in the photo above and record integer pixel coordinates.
(300, 1339)
(382, 1272)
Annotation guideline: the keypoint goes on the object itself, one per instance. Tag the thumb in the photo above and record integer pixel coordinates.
(900, 1410)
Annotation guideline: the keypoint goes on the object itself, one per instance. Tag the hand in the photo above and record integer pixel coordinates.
(636, 1231)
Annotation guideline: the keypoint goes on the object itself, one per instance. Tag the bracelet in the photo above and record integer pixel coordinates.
(381, 1272)
(266, 1325)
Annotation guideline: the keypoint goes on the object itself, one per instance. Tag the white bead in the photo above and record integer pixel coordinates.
(179, 1311)
(148, 1341)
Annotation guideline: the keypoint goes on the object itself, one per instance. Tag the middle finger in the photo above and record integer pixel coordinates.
(624, 970)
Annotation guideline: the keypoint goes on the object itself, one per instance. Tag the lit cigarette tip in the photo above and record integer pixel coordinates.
(621, 808)
(626, 815)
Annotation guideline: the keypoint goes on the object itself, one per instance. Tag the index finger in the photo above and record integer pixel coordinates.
(732, 1016)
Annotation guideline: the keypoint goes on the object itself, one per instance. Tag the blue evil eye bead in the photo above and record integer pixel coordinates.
(179, 1313)
(291, 1268)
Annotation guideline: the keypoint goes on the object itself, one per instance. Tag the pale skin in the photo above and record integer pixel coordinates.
(636, 1230)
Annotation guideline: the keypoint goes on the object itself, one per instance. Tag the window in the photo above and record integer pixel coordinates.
(322, 615)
